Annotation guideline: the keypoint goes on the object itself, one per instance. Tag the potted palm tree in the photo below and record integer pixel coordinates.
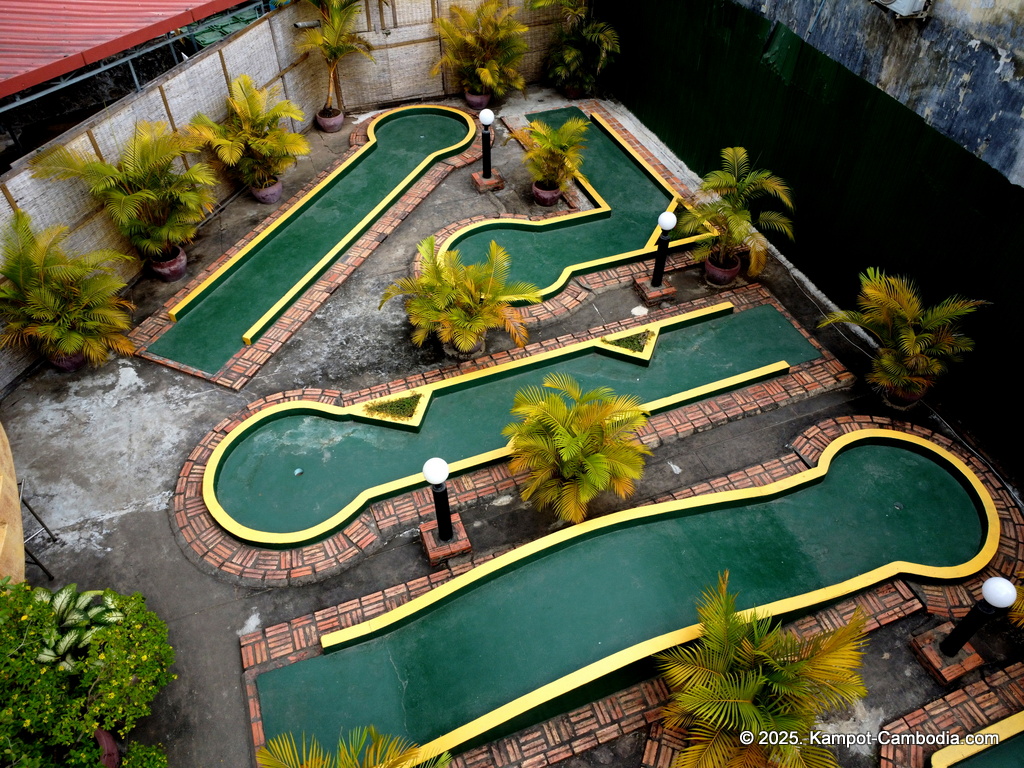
(482, 50)
(747, 675)
(459, 303)
(65, 306)
(251, 144)
(157, 204)
(574, 444)
(723, 201)
(916, 344)
(334, 40)
(553, 156)
(582, 47)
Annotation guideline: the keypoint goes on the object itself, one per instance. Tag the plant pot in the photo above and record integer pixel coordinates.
(68, 363)
(572, 92)
(170, 270)
(720, 275)
(477, 101)
(899, 401)
(269, 194)
(111, 755)
(546, 197)
(457, 354)
(329, 121)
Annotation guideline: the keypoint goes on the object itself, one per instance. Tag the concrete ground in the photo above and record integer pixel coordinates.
(100, 451)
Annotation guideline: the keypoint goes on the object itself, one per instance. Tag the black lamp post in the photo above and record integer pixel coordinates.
(667, 222)
(436, 472)
(998, 594)
(486, 118)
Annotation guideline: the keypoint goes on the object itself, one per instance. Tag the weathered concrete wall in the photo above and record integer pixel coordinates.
(961, 68)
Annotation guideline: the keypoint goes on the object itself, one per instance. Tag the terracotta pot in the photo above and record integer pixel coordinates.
(330, 121)
(68, 363)
(720, 276)
(111, 755)
(170, 270)
(477, 101)
(456, 354)
(269, 194)
(546, 197)
(900, 402)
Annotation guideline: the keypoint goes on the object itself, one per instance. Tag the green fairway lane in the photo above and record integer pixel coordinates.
(210, 330)
(540, 255)
(498, 645)
(340, 460)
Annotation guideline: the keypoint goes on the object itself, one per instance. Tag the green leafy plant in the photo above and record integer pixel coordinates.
(459, 302)
(553, 156)
(482, 48)
(334, 39)
(747, 674)
(916, 344)
(359, 748)
(154, 200)
(250, 143)
(62, 304)
(724, 201)
(78, 619)
(144, 756)
(574, 444)
(49, 712)
(398, 408)
(634, 343)
(581, 49)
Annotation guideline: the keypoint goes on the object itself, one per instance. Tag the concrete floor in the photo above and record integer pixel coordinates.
(100, 451)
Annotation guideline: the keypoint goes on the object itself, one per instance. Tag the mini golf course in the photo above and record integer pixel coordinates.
(487, 652)
(243, 298)
(294, 473)
(237, 303)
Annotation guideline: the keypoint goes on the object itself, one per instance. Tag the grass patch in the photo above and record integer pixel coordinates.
(634, 343)
(399, 408)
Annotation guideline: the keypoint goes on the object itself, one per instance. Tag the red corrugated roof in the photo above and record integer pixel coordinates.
(42, 39)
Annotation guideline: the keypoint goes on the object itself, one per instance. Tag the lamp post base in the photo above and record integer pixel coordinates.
(650, 296)
(945, 669)
(439, 551)
(492, 184)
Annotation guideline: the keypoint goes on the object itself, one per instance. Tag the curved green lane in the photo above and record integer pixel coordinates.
(211, 331)
(257, 485)
(537, 619)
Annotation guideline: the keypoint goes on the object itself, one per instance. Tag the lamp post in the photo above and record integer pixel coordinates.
(436, 472)
(998, 594)
(486, 118)
(667, 222)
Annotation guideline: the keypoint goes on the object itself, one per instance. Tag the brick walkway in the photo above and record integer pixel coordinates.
(215, 552)
(965, 710)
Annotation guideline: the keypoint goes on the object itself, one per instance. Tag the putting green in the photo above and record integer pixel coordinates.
(496, 644)
(246, 295)
(294, 473)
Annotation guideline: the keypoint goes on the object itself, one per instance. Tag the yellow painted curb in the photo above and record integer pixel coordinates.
(1002, 730)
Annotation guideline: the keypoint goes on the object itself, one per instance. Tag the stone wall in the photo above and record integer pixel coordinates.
(406, 48)
(961, 68)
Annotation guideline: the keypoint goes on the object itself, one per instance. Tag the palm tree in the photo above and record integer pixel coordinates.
(723, 201)
(574, 444)
(916, 344)
(553, 156)
(156, 203)
(334, 40)
(746, 674)
(460, 303)
(582, 47)
(66, 306)
(482, 49)
(361, 748)
(250, 142)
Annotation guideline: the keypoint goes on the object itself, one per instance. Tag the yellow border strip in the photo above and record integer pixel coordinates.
(602, 207)
(295, 538)
(346, 241)
(955, 753)
(645, 649)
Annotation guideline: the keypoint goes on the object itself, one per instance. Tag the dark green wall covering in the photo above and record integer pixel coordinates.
(874, 185)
